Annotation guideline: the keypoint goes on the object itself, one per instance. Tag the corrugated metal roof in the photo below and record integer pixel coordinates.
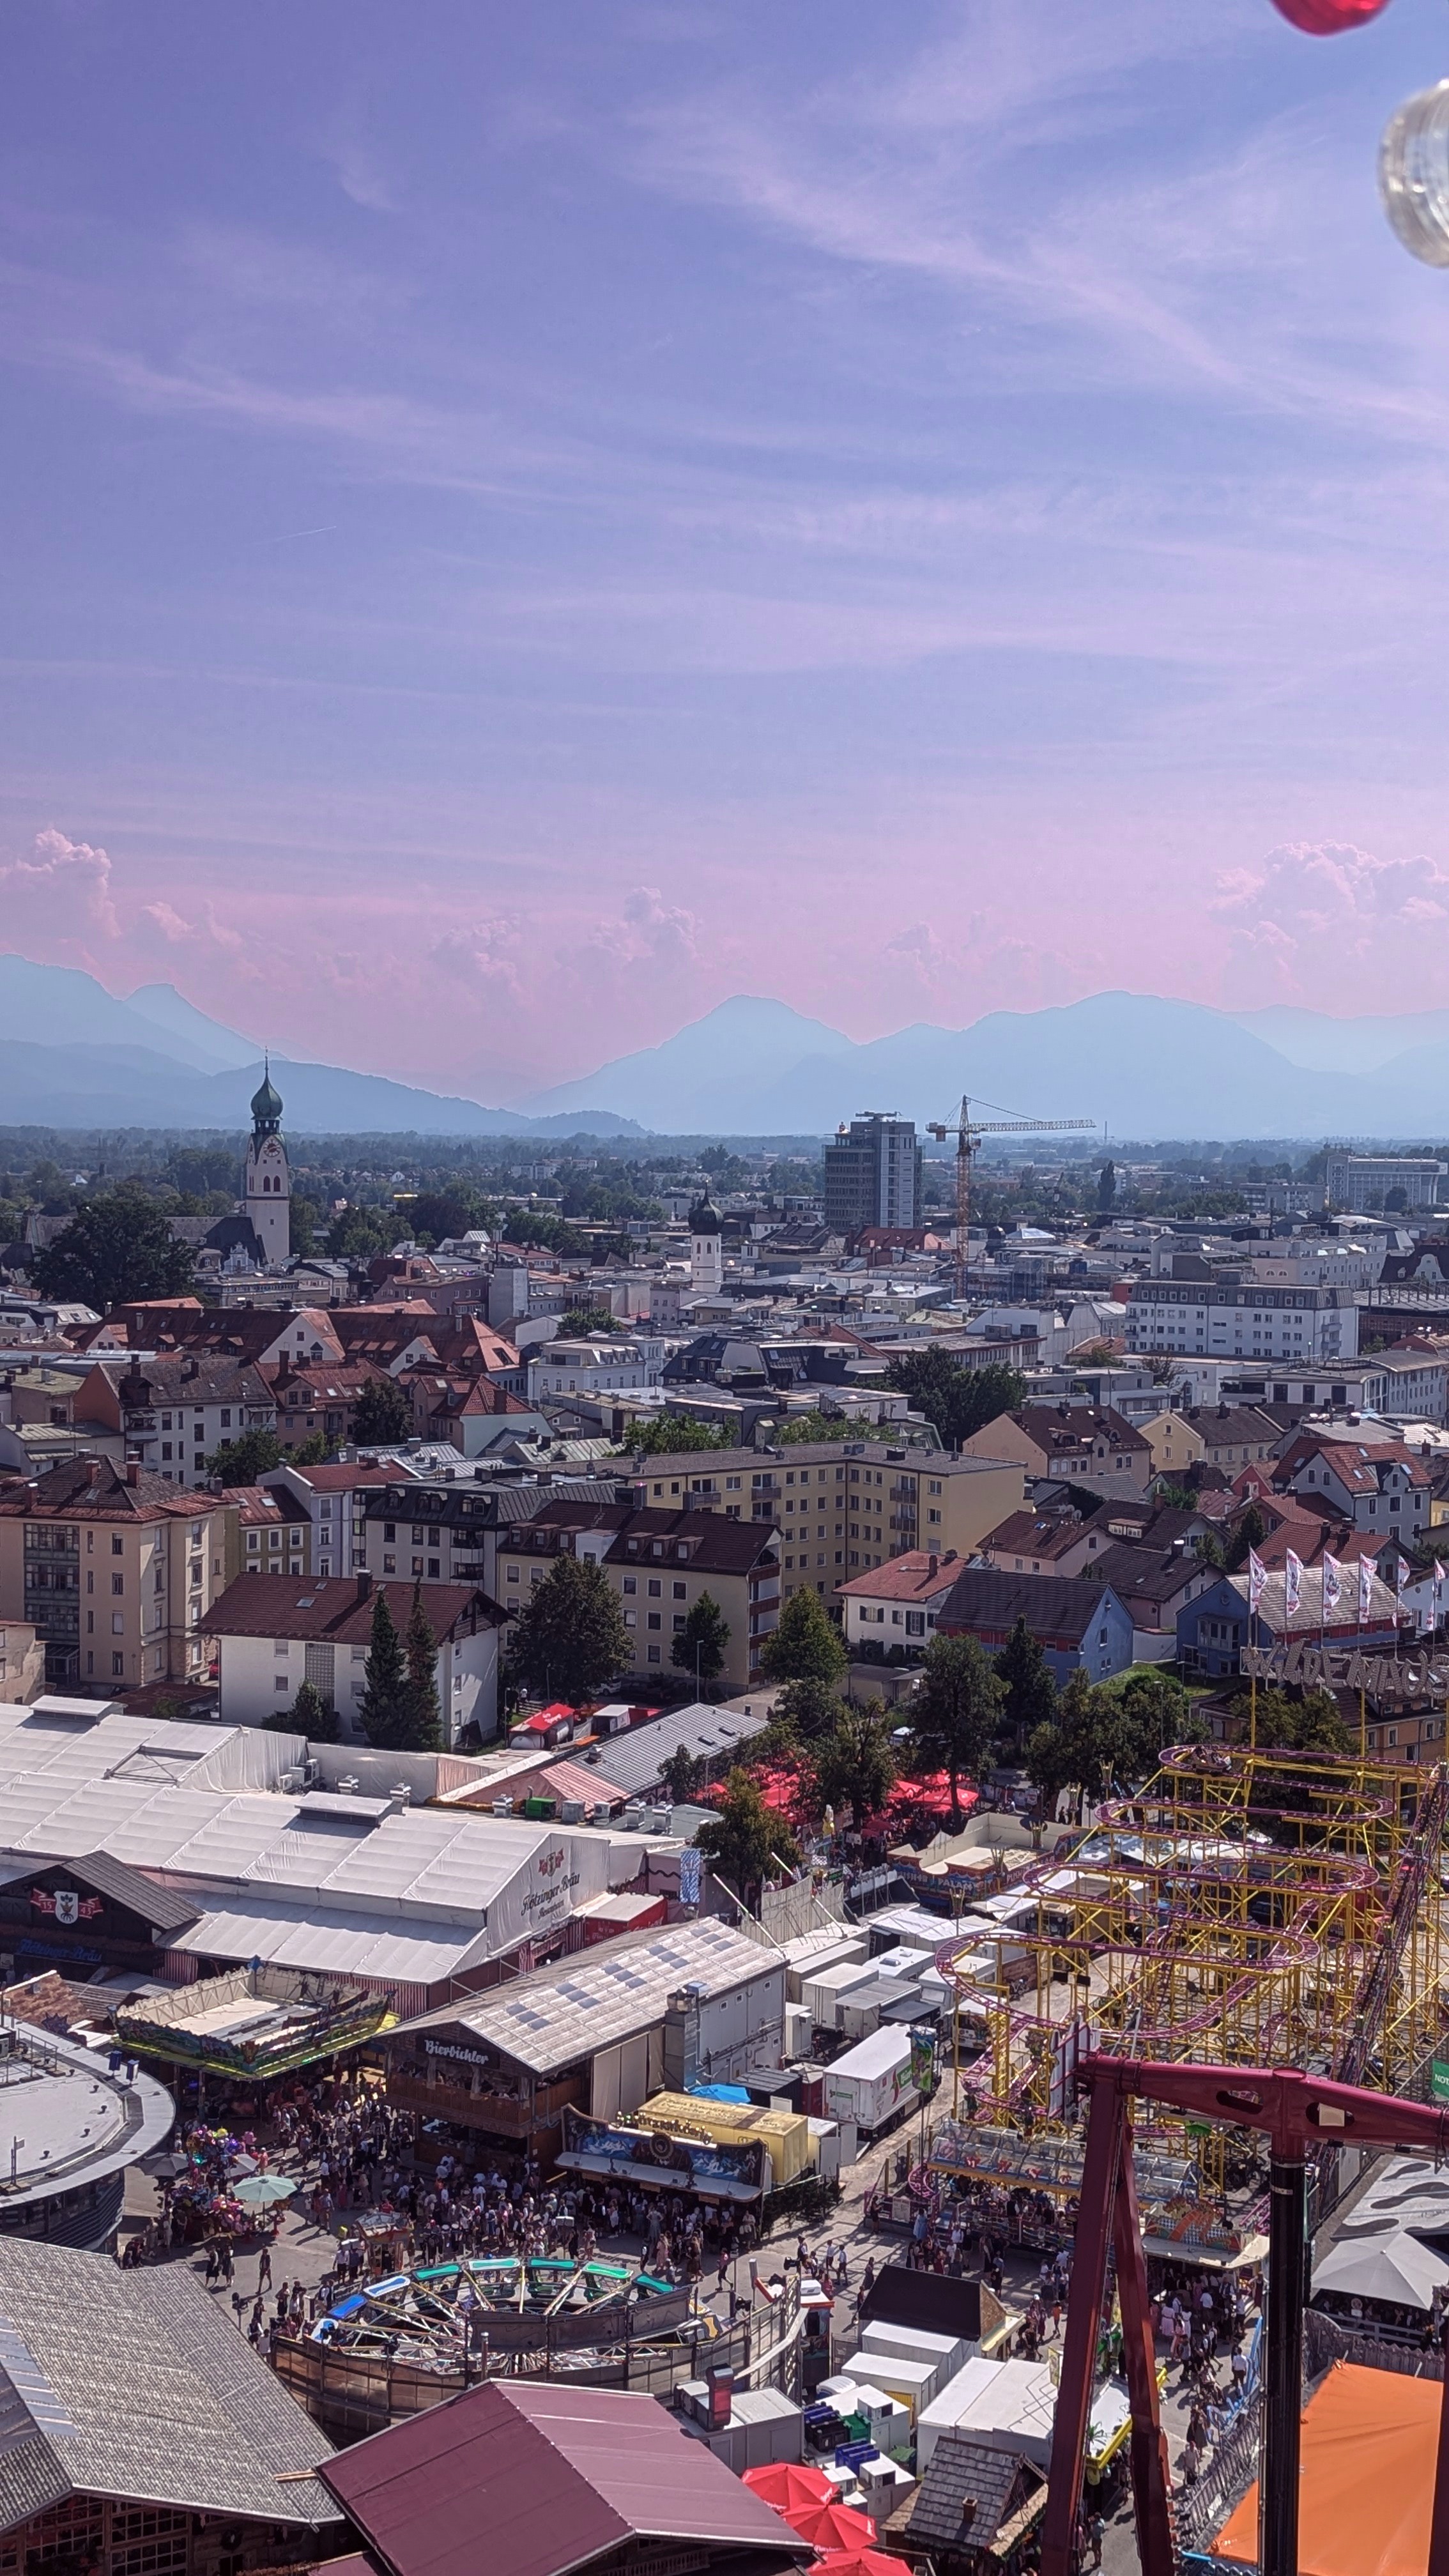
(564, 2012)
(138, 2387)
(554, 2476)
(335, 1942)
(635, 1760)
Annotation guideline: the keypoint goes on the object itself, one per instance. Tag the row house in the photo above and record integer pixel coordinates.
(115, 1569)
(658, 1564)
(175, 1411)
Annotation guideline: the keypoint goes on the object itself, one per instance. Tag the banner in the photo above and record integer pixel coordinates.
(1365, 1588)
(923, 2058)
(1402, 1574)
(1292, 1584)
(692, 2164)
(1332, 1582)
(1257, 1577)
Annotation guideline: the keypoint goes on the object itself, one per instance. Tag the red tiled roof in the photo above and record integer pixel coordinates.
(96, 1489)
(339, 1608)
(915, 1576)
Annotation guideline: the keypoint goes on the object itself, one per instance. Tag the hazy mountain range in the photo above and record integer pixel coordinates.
(73, 1055)
(1141, 1066)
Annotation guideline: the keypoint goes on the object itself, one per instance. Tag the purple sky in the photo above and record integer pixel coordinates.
(521, 523)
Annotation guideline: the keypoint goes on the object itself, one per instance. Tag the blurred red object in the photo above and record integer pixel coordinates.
(1328, 17)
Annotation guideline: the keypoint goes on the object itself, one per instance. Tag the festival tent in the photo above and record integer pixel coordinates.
(1387, 2264)
(1370, 2440)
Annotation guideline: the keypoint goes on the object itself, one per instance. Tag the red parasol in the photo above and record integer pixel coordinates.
(832, 2527)
(860, 2562)
(1329, 17)
(788, 2487)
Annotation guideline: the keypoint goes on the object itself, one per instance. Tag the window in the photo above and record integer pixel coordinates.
(655, 1619)
(254, 1539)
(631, 1583)
(656, 1654)
(118, 1583)
(681, 1591)
(118, 1666)
(281, 1683)
(389, 1566)
(631, 1618)
(678, 1622)
(389, 1532)
(279, 1645)
(434, 1566)
(655, 1587)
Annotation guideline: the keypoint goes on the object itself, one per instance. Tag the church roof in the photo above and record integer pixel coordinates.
(704, 1216)
(267, 1102)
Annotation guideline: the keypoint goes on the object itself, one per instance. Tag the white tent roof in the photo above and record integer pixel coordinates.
(1382, 2264)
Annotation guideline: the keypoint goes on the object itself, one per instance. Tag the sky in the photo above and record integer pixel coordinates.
(518, 524)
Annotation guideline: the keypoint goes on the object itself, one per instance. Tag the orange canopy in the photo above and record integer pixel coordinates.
(1370, 2440)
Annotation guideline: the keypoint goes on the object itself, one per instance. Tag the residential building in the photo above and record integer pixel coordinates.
(658, 1563)
(115, 1569)
(1375, 1485)
(841, 1507)
(1081, 1627)
(1222, 1436)
(1058, 1540)
(274, 1634)
(1152, 1583)
(267, 1181)
(1080, 1444)
(1213, 1628)
(174, 1412)
(320, 1396)
(448, 1530)
(267, 1531)
(472, 1414)
(563, 1368)
(1228, 1318)
(898, 1603)
(334, 1497)
(873, 1174)
(1361, 1181)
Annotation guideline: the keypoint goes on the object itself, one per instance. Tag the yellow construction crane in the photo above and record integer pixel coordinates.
(968, 1131)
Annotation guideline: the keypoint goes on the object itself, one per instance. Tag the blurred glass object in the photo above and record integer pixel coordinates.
(1328, 17)
(1414, 174)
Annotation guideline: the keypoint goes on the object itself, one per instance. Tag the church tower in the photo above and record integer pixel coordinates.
(706, 1248)
(267, 1189)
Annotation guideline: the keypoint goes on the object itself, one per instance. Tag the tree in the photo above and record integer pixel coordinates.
(671, 1432)
(1076, 1752)
(806, 1710)
(312, 1452)
(682, 1775)
(422, 1718)
(117, 1247)
(855, 1765)
(241, 1461)
(746, 1838)
(957, 1400)
(1251, 1531)
(382, 1415)
(362, 1234)
(700, 1645)
(805, 1645)
(957, 1711)
(1107, 1187)
(385, 1677)
(585, 1323)
(570, 1640)
(1031, 1693)
(308, 1715)
(1152, 1710)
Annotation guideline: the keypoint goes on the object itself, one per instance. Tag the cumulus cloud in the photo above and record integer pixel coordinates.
(63, 886)
(659, 928)
(1324, 921)
(483, 952)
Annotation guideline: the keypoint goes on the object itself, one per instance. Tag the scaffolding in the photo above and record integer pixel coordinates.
(1248, 1907)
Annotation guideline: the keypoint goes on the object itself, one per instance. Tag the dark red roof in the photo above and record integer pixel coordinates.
(543, 2479)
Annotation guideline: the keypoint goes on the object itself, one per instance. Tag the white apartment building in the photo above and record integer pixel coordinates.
(1242, 1320)
(594, 1368)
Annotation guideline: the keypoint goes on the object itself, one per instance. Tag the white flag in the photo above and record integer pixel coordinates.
(1402, 1574)
(1332, 1582)
(1257, 1577)
(1292, 1582)
(1365, 1587)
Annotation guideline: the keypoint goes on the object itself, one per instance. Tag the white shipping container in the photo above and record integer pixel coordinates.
(822, 1991)
(945, 2353)
(911, 2383)
(872, 2080)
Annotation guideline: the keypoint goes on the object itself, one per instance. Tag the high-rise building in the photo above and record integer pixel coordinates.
(873, 1173)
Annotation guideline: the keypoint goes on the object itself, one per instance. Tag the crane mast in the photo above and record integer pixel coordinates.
(968, 1132)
